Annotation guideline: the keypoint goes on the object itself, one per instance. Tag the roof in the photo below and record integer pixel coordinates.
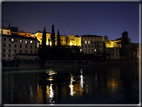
(17, 36)
(90, 36)
(26, 54)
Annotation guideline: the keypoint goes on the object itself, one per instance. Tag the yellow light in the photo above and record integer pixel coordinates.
(70, 44)
(47, 43)
(50, 43)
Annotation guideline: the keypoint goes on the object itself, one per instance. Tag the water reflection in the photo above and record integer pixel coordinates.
(71, 85)
(110, 84)
(81, 80)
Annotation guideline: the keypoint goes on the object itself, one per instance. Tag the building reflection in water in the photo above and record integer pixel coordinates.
(71, 85)
(81, 80)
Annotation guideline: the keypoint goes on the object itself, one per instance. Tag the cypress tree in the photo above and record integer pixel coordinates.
(44, 38)
(53, 36)
(58, 39)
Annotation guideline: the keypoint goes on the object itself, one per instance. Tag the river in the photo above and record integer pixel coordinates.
(112, 84)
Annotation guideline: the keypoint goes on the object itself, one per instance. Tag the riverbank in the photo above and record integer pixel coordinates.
(70, 64)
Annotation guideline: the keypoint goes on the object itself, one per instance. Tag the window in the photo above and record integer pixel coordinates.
(4, 44)
(88, 42)
(92, 46)
(15, 45)
(3, 50)
(83, 46)
(31, 47)
(15, 50)
(25, 51)
(3, 55)
(9, 39)
(26, 42)
(8, 33)
(112, 54)
(4, 39)
(9, 55)
(9, 50)
(35, 51)
(89, 46)
(20, 50)
(25, 46)
(20, 46)
(35, 47)
(9, 45)
(95, 50)
(91, 42)
(82, 41)
(31, 41)
(85, 42)
(31, 51)
(21, 41)
(12, 40)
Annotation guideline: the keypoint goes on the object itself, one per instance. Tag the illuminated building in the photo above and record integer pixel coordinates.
(5, 31)
(73, 40)
(92, 44)
(39, 34)
(21, 47)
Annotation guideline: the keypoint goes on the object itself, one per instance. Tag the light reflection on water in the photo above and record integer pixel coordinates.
(112, 84)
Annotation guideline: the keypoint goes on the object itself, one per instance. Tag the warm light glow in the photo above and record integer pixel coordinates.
(71, 85)
(47, 43)
(51, 72)
(70, 44)
(50, 43)
(51, 94)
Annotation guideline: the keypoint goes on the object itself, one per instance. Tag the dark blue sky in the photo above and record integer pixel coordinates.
(92, 18)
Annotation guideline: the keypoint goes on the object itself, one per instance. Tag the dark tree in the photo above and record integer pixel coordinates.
(125, 40)
(53, 36)
(58, 39)
(44, 38)
(124, 44)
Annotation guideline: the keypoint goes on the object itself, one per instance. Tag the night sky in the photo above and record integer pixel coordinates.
(78, 18)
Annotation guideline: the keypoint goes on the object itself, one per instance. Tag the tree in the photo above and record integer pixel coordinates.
(58, 39)
(53, 36)
(44, 38)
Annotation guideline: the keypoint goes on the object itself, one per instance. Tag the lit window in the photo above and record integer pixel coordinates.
(26, 42)
(31, 41)
(12, 40)
(95, 50)
(88, 42)
(70, 44)
(20, 40)
(85, 42)
(80, 50)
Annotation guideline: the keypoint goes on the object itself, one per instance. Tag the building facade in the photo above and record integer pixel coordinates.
(112, 53)
(15, 44)
(92, 44)
(39, 35)
(73, 40)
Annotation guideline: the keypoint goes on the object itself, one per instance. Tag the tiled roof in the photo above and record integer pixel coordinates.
(16, 36)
